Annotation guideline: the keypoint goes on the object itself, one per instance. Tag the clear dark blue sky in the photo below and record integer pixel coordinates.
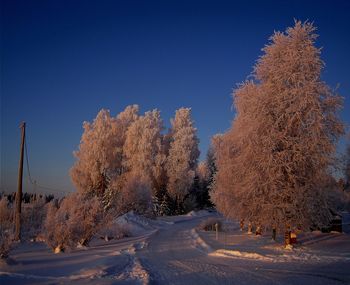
(62, 61)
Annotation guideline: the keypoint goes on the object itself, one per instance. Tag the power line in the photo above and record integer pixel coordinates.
(27, 161)
(30, 177)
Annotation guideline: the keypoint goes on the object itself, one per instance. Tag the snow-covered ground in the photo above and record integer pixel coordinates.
(171, 250)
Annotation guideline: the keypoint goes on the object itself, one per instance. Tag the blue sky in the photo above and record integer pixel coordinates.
(62, 61)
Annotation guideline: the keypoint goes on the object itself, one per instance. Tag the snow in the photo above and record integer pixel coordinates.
(170, 250)
(198, 242)
(139, 225)
(201, 213)
(314, 247)
(239, 254)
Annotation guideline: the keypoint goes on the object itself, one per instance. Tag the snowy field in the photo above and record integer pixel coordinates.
(172, 250)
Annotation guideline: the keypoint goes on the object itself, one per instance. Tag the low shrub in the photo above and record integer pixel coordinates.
(33, 218)
(74, 222)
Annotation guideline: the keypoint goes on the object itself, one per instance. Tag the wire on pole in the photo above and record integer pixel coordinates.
(34, 183)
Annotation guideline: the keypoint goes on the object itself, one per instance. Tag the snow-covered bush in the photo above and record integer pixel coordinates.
(75, 222)
(6, 228)
(33, 217)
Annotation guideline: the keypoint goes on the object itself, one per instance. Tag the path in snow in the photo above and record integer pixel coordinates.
(174, 254)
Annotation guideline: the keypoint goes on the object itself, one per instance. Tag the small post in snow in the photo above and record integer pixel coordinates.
(217, 230)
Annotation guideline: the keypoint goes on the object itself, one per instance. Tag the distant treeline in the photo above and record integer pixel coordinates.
(28, 197)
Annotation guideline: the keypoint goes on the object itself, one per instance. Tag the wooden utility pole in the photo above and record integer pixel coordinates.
(19, 189)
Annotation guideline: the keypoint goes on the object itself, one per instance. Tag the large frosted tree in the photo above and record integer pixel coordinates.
(100, 154)
(183, 155)
(96, 158)
(274, 161)
(143, 149)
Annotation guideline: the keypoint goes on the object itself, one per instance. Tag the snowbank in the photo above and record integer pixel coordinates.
(200, 213)
(139, 225)
(239, 254)
(295, 255)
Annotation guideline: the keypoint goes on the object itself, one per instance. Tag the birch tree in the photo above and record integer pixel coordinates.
(96, 156)
(143, 149)
(273, 162)
(100, 154)
(183, 155)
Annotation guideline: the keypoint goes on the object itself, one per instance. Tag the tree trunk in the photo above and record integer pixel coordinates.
(274, 233)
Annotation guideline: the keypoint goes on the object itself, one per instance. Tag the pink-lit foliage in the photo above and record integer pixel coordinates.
(144, 150)
(100, 153)
(73, 222)
(183, 155)
(125, 160)
(274, 163)
(132, 193)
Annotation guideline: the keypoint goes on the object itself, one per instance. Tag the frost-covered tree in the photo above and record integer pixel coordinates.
(144, 154)
(123, 121)
(120, 127)
(183, 155)
(132, 193)
(274, 162)
(74, 222)
(100, 154)
(96, 157)
(143, 149)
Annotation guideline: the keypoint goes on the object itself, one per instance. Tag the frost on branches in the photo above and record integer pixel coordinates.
(100, 155)
(74, 222)
(274, 162)
(126, 161)
(143, 150)
(183, 155)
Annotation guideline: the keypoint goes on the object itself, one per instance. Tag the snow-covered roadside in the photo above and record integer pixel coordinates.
(176, 253)
(104, 261)
(317, 247)
(292, 256)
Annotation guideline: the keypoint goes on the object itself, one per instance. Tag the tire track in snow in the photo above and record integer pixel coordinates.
(134, 271)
